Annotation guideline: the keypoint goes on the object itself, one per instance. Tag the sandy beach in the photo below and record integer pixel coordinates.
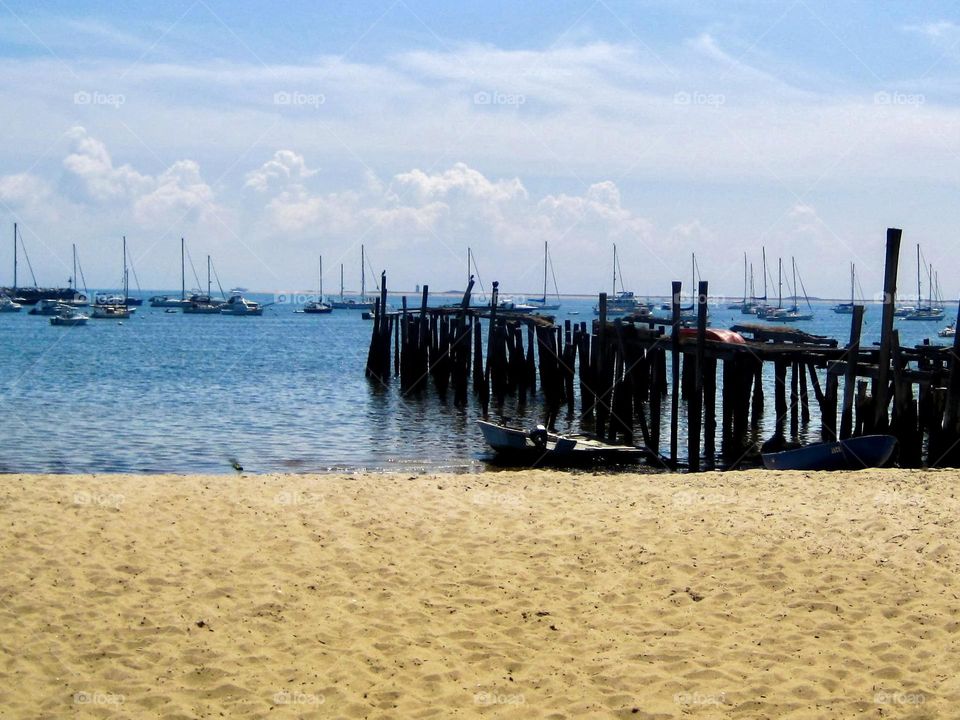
(505, 594)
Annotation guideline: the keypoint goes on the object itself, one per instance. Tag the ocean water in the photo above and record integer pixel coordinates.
(285, 392)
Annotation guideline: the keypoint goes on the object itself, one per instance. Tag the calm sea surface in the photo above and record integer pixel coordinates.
(167, 392)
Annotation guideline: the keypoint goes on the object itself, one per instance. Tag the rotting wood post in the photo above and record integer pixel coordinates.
(600, 381)
(886, 328)
(828, 415)
(655, 400)
(804, 397)
(950, 430)
(695, 402)
(850, 377)
(756, 408)
(794, 414)
(675, 370)
(780, 394)
(710, 411)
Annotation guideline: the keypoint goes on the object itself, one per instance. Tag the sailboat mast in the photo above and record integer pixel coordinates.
(753, 291)
(614, 270)
(544, 271)
(764, 276)
(853, 270)
(919, 296)
(126, 282)
(779, 282)
(183, 277)
(14, 257)
(363, 274)
(320, 273)
(793, 262)
(208, 276)
(341, 282)
(74, 281)
(469, 264)
(744, 278)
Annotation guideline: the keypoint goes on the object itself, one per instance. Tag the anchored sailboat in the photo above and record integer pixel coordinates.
(361, 303)
(541, 302)
(318, 306)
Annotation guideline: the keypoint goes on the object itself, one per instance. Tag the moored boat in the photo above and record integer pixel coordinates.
(8, 305)
(867, 451)
(540, 447)
(69, 317)
(239, 305)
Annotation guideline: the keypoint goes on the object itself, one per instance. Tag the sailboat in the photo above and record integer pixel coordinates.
(770, 313)
(171, 301)
(32, 295)
(847, 308)
(748, 306)
(925, 312)
(318, 306)
(757, 305)
(540, 303)
(688, 313)
(198, 304)
(620, 303)
(793, 314)
(361, 303)
(113, 307)
(54, 306)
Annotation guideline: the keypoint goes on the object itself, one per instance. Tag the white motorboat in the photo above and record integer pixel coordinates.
(239, 305)
(69, 317)
(949, 331)
(8, 305)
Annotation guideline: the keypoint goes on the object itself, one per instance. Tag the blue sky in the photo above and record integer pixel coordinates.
(268, 135)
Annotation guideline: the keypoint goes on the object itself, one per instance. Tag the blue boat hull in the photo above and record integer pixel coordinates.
(852, 454)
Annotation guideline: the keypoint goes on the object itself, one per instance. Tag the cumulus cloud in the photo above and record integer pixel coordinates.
(22, 188)
(90, 163)
(285, 167)
(178, 191)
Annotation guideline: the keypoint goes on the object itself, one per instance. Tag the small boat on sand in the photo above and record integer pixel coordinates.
(540, 447)
(868, 451)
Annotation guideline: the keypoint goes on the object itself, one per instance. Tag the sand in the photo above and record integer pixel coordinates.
(528, 594)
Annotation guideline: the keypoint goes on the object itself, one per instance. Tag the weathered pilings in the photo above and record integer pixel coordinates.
(675, 370)
(886, 329)
(695, 398)
(853, 351)
(622, 376)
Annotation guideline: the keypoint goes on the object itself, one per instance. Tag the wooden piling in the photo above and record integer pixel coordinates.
(886, 329)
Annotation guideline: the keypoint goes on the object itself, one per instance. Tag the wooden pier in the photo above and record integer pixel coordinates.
(614, 377)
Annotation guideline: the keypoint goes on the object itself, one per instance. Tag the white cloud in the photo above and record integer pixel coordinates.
(22, 189)
(91, 164)
(284, 168)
